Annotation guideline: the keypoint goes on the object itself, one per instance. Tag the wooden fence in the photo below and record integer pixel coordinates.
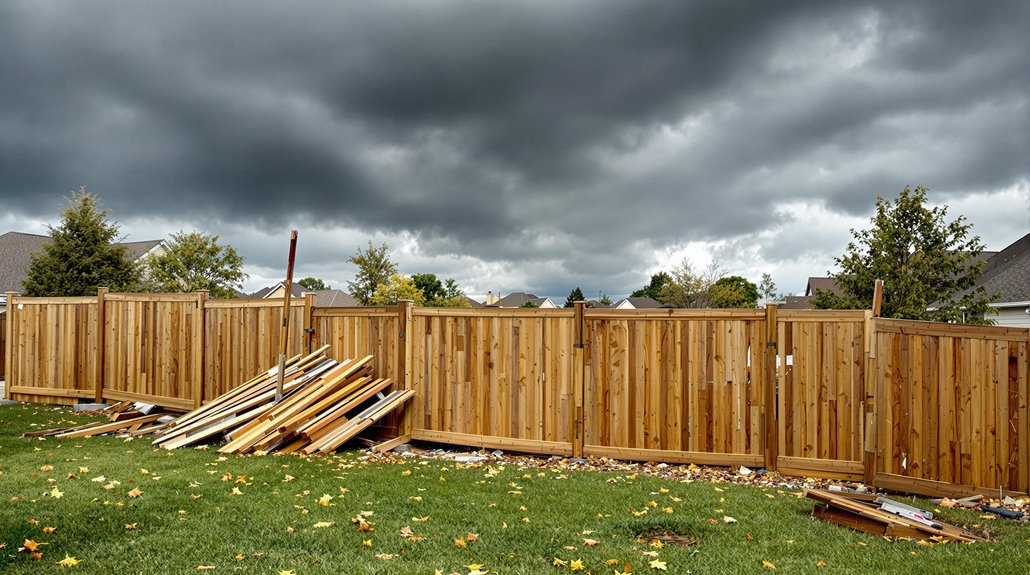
(826, 393)
(3, 343)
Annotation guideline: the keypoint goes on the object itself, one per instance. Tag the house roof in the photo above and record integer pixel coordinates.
(518, 299)
(822, 283)
(796, 302)
(595, 304)
(296, 290)
(17, 249)
(1008, 272)
(640, 302)
(473, 303)
(334, 298)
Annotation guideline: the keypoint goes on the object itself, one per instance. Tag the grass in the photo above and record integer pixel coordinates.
(188, 516)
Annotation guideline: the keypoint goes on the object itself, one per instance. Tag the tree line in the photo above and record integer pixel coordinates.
(929, 266)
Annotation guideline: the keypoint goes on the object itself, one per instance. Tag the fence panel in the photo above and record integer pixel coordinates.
(151, 348)
(242, 339)
(952, 403)
(499, 378)
(359, 331)
(675, 385)
(821, 384)
(53, 349)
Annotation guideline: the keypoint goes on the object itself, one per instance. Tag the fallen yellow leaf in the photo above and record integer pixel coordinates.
(576, 565)
(136, 492)
(657, 564)
(768, 564)
(68, 561)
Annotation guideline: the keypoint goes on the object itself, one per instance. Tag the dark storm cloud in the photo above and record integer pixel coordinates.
(578, 136)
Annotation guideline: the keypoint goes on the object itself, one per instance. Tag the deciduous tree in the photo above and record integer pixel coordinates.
(397, 288)
(195, 261)
(374, 269)
(314, 284)
(929, 265)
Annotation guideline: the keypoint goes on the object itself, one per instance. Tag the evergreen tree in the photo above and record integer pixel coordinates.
(654, 288)
(574, 296)
(82, 254)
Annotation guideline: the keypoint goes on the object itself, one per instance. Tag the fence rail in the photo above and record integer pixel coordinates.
(824, 393)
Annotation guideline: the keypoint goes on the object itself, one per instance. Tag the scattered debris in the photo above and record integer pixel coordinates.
(885, 517)
(126, 417)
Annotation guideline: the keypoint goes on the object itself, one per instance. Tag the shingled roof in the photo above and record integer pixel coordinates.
(1008, 272)
(17, 249)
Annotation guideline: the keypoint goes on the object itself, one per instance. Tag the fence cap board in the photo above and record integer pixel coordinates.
(673, 313)
(238, 303)
(151, 297)
(914, 327)
(52, 300)
(353, 311)
(493, 312)
(820, 315)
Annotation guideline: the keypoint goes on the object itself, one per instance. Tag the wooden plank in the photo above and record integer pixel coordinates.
(51, 391)
(389, 444)
(931, 488)
(824, 468)
(958, 330)
(494, 442)
(658, 455)
(166, 402)
(106, 428)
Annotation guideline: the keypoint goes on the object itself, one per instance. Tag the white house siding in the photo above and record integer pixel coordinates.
(1011, 317)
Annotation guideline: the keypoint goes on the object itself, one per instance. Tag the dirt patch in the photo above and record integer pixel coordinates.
(668, 537)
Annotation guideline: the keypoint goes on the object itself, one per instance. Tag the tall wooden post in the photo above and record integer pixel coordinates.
(579, 377)
(9, 345)
(309, 326)
(199, 329)
(772, 425)
(404, 358)
(877, 297)
(284, 332)
(98, 385)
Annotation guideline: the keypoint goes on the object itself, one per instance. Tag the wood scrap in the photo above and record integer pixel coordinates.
(866, 516)
(315, 415)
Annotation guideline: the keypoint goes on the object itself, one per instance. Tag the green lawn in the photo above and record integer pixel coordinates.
(262, 514)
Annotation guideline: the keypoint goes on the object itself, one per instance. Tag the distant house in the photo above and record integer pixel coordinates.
(637, 303)
(17, 249)
(1008, 273)
(323, 298)
(519, 299)
(473, 303)
(594, 304)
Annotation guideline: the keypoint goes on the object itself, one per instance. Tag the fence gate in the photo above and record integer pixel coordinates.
(821, 384)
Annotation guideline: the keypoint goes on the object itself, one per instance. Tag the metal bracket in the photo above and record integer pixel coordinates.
(309, 330)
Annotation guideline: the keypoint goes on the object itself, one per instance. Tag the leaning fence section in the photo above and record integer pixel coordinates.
(952, 403)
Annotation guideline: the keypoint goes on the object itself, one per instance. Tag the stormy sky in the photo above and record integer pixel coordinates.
(517, 146)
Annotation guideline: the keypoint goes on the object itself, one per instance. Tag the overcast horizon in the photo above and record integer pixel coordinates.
(532, 146)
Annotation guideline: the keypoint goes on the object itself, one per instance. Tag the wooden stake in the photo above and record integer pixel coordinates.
(284, 332)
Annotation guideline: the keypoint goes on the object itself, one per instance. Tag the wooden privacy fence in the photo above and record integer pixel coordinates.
(827, 393)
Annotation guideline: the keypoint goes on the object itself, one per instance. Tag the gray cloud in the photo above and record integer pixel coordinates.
(565, 143)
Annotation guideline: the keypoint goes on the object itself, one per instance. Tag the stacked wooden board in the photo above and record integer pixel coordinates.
(324, 404)
(864, 512)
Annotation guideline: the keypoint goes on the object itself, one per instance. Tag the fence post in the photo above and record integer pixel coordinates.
(871, 400)
(199, 329)
(98, 385)
(9, 345)
(404, 359)
(579, 376)
(772, 425)
(309, 327)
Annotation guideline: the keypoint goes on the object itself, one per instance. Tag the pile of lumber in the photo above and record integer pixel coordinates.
(127, 417)
(882, 516)
(324, 404)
